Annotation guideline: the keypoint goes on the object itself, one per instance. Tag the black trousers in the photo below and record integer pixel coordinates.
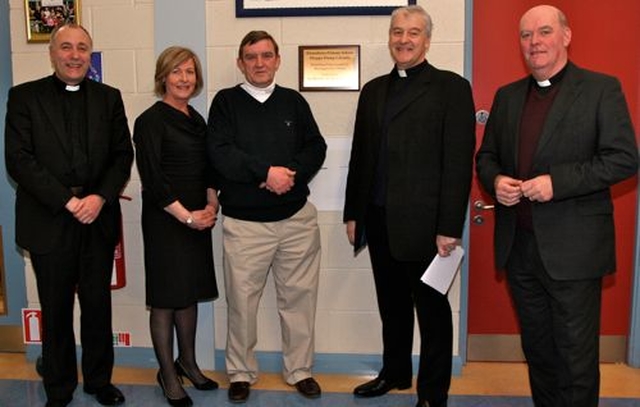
(81, 263)
(399, 291)
(560, 327)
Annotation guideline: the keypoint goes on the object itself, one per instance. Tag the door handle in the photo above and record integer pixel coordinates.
(481, 206)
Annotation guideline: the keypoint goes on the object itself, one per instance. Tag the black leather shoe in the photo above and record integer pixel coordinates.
(239, 392)
(107, 395)
(379, 386)
(58, 403)
(309, 388)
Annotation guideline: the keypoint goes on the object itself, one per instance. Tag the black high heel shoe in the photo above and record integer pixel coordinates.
(181, 402)
(208, 384)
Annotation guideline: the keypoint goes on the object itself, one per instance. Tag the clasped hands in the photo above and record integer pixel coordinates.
(204, 218)
(280, 180)
(509, 191)
(86, 209)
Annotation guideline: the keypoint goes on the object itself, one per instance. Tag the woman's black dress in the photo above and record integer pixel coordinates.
(171, 157)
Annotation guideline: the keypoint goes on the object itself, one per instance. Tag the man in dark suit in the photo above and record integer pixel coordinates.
(406, 198)
(68, 148)
(554, 144)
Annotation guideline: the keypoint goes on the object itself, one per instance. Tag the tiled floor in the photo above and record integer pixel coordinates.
(481, 384)
(28, 393)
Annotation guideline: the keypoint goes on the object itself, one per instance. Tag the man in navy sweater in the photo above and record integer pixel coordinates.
(266, 145)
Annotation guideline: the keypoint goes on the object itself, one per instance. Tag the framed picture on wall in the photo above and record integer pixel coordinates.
(281, 8)
(42, 16)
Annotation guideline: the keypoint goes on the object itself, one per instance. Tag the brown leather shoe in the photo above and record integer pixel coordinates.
(239, 392)
(309, 388)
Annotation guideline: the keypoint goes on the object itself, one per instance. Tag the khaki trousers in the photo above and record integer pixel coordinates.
(291, 249)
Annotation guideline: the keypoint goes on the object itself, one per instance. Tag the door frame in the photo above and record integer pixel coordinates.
(633, 352)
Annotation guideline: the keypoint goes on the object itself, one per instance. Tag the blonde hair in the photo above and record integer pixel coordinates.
(168, 60)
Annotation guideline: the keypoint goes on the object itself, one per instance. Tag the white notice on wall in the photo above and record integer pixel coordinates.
(328, 186)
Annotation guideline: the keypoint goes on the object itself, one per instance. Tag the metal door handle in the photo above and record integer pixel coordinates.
(481, 206)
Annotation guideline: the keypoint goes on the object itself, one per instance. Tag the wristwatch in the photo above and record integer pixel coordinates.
(189, 220)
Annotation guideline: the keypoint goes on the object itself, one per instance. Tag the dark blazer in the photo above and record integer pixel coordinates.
(587, 144)
(430, 154)
(37, 158)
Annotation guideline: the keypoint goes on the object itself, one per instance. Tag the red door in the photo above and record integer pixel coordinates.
(606, 38)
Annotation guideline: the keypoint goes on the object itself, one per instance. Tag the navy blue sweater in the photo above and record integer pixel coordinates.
(246, 137)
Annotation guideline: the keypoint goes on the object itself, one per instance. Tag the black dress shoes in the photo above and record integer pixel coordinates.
(107, 395)
(239, 392)
(175, 402)
(208, 384)
(309, 388)
(379, 386)
(58, 403)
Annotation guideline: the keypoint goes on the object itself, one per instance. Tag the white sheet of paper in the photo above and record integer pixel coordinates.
(442, 270)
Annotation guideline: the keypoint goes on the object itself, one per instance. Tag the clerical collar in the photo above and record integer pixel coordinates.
(404, 73)
(544, 84)
(550, 81)
(259, 94)
(65, 87)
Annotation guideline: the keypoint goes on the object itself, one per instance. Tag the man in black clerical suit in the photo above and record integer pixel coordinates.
(406, 198)
(68, 148)
(555, 142)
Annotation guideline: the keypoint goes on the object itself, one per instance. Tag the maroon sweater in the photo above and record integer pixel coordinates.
(536, 108)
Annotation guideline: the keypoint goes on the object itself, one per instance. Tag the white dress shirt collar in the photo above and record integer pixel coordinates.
(260, 94)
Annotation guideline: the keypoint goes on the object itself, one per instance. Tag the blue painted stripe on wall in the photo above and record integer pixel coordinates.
(271, 362)
(184, 23)
(13, 261)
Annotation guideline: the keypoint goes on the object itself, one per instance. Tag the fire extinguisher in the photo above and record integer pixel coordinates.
(118, 276)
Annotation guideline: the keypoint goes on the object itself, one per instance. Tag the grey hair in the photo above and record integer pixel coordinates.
(414, 9)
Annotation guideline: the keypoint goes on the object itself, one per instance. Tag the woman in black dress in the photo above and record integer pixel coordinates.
(179, 208)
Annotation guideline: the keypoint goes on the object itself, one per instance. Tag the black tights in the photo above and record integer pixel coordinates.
(162, 322)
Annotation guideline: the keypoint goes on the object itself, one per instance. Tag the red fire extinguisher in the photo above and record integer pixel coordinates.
(118, 276)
